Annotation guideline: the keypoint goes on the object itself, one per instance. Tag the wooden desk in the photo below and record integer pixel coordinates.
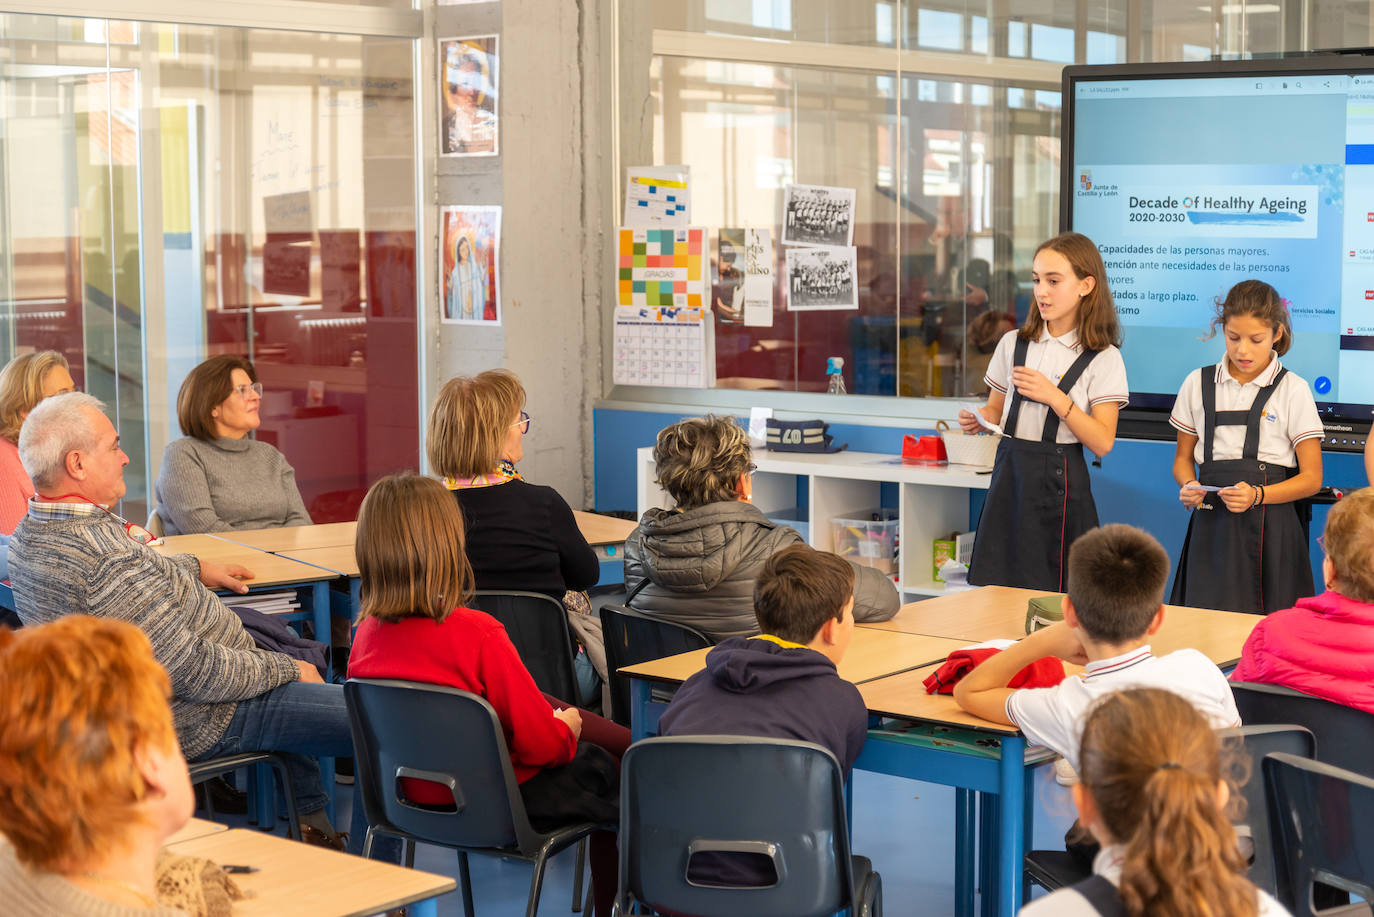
(599, 530)
(995, 612)
(296, 878)
(268, 569)
(194, 828)
(872, 654)
(296, 537)
(904, 696)
(339, 559)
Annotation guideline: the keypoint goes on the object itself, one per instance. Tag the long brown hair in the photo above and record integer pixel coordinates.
(1098, 325)
(1152, 765)
(1259, 299)
(411, 550)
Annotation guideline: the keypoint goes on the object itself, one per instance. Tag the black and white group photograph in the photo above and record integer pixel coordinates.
(817, 215)
(821, 278)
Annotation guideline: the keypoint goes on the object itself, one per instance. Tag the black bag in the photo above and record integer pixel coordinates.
(800, 436)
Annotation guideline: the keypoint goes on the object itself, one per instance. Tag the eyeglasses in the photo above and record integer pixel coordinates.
(1321, 542)
(243, 390)
(523, 423)
(752, 468)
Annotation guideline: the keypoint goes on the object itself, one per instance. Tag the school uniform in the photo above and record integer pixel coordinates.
(1054, 717)
(1254, 561)
(1040, 499)
(1098, 895)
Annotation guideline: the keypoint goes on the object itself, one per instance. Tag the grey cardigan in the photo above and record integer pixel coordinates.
(701, 565)
(223, 484)
(89, 565)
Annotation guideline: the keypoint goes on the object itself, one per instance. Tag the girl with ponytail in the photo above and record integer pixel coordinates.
(1151, 790)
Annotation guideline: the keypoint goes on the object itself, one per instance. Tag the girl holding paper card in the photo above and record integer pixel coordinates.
(1249, 445)
(1067, 382)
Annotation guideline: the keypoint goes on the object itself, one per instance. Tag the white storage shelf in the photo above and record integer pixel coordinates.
(932, 501)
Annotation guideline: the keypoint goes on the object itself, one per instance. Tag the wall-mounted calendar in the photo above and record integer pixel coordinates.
(672, 347)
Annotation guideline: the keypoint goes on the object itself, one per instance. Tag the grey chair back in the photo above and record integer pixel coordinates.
(1255, 743)
(538, 626)
(1345, 735)
(1322, 821)
(632, 637)
(685, 796)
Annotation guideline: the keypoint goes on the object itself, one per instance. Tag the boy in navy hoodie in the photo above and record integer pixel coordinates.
(783, 684)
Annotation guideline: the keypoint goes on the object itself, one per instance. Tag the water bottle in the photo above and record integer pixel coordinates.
(834, 369)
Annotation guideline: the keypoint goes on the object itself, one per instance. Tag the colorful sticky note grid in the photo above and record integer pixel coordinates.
(661, 267)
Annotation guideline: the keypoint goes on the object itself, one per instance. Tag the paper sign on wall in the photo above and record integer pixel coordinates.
(758, 278)
(671, 347)
(662, 267)
(658, 196)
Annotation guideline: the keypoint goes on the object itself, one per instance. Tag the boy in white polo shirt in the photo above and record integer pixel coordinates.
(1114, 602)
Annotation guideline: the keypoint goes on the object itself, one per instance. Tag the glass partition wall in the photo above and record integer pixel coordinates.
(942, 115)
(169, 192)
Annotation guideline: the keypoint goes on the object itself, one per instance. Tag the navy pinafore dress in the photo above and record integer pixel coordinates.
(1255, 561)
(1039, 500)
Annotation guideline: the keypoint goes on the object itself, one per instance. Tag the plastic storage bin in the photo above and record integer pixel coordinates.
(793, 516)
(868, 537)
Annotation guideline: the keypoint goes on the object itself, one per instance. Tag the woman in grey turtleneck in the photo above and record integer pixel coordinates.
(216, 478)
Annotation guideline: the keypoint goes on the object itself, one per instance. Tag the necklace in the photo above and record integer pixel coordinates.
(126, 886)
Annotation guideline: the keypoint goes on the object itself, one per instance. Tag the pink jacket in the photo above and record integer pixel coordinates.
(1324, 646)
(15, 487)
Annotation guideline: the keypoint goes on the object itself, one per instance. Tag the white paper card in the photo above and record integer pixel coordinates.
(758, 426)
(758, 278)
(658, 196)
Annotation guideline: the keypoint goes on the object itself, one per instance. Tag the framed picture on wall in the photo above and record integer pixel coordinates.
(469, 124)
(469, 259)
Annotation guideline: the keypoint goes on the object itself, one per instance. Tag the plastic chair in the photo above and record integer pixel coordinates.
(1322, 821)
(396, 734)
(681, 796)
(538, 626)
(631, 638)
(155, 526)
(1345, 735)
(1052, 869)
(202, 771)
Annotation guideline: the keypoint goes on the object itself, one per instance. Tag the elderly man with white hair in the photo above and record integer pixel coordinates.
(72, 554)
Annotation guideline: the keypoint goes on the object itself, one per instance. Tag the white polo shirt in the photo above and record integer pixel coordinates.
(1103, 380)
(1290, 416)
(1053, 717)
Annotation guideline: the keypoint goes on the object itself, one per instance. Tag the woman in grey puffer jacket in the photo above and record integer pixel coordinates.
(701, 558)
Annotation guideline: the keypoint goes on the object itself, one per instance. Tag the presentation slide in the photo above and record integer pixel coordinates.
(1189, 186)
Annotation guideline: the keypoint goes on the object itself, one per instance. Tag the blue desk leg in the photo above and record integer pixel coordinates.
(319, 596)
(639, 708)
(1011, 840)
(963, 852)
(987, 854)
(427, 908)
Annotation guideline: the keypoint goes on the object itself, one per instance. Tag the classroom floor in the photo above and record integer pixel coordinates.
(905, 827)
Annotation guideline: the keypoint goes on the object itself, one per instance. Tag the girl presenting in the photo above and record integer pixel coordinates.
(1251, 429)
(1067, 382)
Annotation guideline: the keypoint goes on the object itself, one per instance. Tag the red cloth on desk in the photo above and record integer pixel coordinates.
(1042, 673)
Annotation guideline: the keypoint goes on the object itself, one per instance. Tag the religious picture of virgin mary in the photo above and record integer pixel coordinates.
(469, 286)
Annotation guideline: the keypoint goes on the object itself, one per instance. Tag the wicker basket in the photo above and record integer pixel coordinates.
(968, 448)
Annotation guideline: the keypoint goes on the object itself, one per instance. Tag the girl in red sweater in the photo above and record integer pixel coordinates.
(413, 626)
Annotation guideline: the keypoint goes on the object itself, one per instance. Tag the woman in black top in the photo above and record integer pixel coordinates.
(521, 536)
